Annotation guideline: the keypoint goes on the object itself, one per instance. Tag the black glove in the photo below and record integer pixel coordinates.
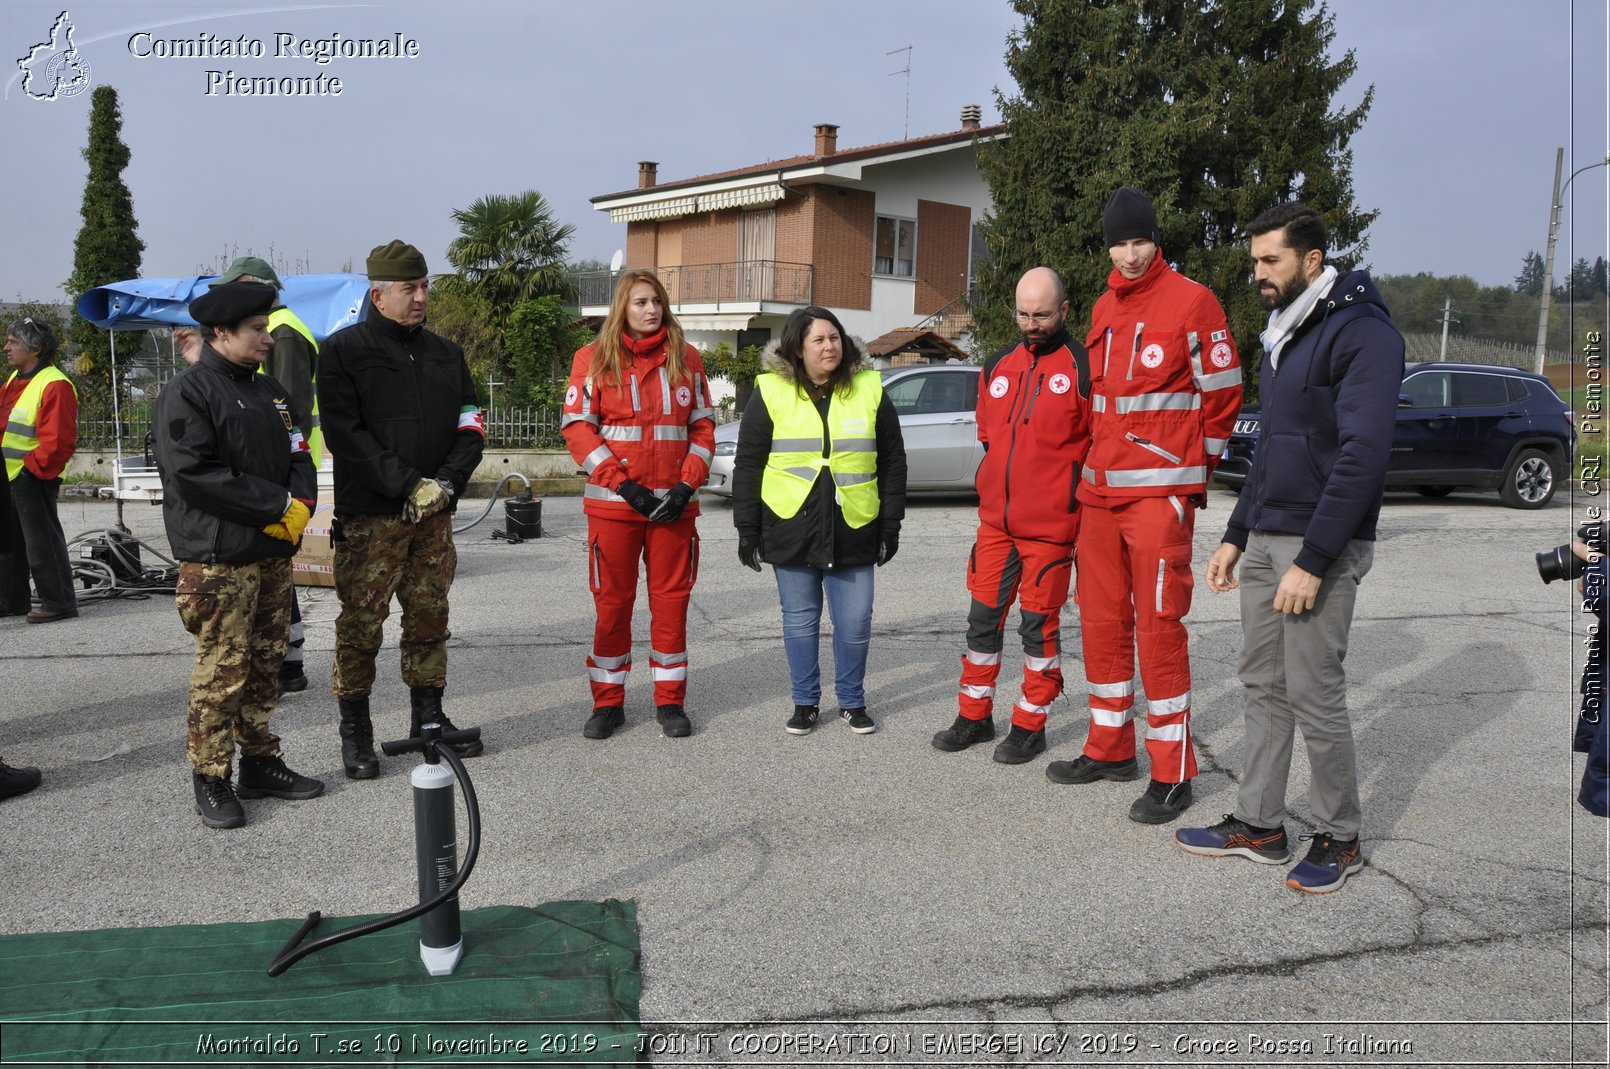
(888, 543)
(639, 497)
(676, 499)
(749, 550)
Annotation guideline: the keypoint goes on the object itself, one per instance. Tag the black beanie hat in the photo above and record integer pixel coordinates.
(1129, 214)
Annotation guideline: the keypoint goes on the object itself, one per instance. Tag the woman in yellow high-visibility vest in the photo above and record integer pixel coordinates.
(818, 492)
(39, 408)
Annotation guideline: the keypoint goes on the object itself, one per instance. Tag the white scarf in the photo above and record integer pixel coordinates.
(1284, 322)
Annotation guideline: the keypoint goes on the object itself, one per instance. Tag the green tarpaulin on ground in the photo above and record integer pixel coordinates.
(554, 983)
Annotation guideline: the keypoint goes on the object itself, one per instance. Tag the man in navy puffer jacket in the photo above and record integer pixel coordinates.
(1332, 368)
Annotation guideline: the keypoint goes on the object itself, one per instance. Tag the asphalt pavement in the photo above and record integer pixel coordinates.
(853, 899)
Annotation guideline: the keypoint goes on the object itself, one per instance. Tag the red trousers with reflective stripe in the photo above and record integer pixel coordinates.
(1036, 574)
(670, 555)
(1134, 588)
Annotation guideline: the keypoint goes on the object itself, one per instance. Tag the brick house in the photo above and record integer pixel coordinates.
(884, 235)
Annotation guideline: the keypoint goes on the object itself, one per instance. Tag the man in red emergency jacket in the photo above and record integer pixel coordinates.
(1033, 418)
(1166, 394)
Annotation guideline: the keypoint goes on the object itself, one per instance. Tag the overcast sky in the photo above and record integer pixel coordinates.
(1472, 98)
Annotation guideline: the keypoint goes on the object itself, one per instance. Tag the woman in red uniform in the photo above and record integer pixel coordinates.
(638, 419)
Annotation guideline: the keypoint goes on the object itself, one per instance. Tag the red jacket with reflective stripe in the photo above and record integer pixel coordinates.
(1167, 387)
(644, 428)
(1033, 418)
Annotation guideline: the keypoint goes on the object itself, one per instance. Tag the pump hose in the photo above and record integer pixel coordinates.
(291, 952)
(493, 499)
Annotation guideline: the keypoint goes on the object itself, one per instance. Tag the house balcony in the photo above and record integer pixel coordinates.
(725, 291)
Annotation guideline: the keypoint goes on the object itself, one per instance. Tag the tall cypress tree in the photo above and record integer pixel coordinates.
(1217, 110)
(107, 248)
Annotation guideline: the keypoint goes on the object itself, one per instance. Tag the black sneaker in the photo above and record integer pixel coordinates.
(859, 722)
(964, 733)
(1236, 838)
(216, 802)
(15, 781)
(1086, 769)
(803, 720)
(673, 721)
(1161, 803)
(1020, 745)
(604, 721)
(267, 777)
(292, 679)
(1328, 865)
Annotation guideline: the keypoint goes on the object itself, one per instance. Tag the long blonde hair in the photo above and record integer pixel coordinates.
(609, 355)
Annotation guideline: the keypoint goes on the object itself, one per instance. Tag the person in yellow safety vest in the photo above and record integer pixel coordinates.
(293, 362)
(39, 408)
(818, 492)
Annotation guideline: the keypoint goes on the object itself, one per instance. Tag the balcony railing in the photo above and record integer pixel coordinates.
(741, 282)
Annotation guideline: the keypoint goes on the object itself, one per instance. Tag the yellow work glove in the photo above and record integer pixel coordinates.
(289, 527)
(426, 499)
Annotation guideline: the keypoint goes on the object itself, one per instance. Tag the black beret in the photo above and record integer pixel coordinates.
(224, 306)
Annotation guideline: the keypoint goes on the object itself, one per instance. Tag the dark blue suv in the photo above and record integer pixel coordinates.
(1460, 426)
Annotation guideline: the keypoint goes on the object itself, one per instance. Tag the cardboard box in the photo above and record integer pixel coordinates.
(314, 563)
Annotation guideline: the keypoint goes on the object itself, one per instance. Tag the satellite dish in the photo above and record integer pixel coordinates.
(616, 260)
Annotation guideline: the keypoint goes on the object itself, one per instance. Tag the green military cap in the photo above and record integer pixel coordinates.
(248, 265)
(395, 261)
(224, 306)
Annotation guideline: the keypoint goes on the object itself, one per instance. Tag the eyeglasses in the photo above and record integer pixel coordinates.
(1036, 317)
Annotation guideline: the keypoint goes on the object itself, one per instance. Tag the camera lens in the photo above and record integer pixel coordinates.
(1560, 563)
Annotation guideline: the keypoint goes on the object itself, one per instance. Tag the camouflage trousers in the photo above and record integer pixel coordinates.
(241, 617)
(377, 557)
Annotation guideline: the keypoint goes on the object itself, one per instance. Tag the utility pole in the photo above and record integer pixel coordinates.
(906, 70)
(1447, 314)
(1548, 262)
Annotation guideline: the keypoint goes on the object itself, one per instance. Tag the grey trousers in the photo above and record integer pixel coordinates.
(1291, 666)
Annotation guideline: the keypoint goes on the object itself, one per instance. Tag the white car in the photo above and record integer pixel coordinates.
(937, 405)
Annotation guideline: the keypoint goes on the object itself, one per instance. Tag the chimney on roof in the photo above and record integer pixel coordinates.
(971, 114)
(827, 139)
(647, 173)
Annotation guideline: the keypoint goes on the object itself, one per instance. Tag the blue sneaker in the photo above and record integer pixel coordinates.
(1328, 864)
(1236, 838)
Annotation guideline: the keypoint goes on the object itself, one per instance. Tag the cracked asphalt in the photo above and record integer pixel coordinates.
(848, 899)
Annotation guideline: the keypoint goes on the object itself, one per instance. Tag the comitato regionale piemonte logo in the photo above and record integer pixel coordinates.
(54, 69)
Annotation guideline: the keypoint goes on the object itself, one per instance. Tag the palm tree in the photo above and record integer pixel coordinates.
(510, 249)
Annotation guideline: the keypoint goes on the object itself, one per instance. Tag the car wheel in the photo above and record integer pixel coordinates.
(1529, 482)
(1433, 491)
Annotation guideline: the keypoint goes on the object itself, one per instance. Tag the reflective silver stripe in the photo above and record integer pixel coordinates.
(855, 445)
(669, 658)
(677, 433)
(1098, 403)
(14, 454)
(1158, 402)
(853, 478)
(1162, 570)
(796, 445)
(1194, 340)
(1029, 707)
(801, 473)
(697, 450)
(595, 458)
(1041, 664)
(1088, 474)
(1111, 718)
(1215, 446)
(1221, 380)
(1150, 448)
(1126, 689)
(623, 661)
(599, 675)
(1179, 517)
(573, 417)
(1166, 733)
(974, 657)
(13, 427)
(701, 413)
(637, 402)
(665, 391)
(1171, 706)
(587, 397)
(598, 493)
(1157, 477)
(669, 674)
(622, 432)
(701, 389)
(982, 693)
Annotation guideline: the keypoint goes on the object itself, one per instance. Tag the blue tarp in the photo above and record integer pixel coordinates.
(326, 303)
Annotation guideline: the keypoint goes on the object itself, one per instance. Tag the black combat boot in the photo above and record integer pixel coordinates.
(216, 802)
(427, 708)
(358, 739)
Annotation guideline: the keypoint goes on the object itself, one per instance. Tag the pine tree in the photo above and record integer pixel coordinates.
(1530, 280)
(1601, 280)
(1217, 110)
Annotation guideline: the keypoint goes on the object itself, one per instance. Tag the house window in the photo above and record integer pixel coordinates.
(894, 247)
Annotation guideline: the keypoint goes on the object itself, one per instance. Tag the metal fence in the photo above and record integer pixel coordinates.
(741, 281)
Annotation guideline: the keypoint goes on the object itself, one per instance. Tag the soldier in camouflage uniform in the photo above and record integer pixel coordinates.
(398, 410)
(238, 488)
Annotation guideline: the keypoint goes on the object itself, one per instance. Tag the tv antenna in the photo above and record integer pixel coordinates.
(906, 70)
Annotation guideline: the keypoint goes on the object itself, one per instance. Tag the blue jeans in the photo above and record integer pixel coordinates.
(849, 600)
